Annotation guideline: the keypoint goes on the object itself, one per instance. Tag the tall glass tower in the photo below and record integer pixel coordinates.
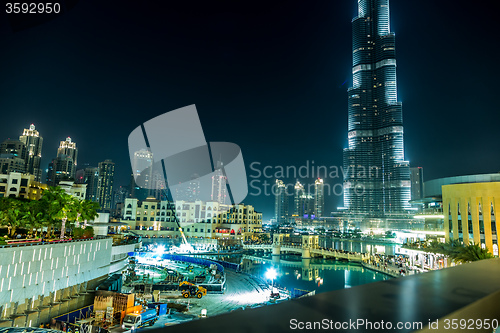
(377, 180)
(33, 141)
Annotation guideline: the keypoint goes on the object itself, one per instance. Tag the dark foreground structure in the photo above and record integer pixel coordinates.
(469, 292)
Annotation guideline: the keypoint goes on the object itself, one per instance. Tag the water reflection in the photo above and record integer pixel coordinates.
(320, 275)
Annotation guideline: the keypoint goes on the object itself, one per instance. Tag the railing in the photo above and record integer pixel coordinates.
(31, 242)
(315, 250)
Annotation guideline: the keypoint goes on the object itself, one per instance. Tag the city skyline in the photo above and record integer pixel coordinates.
(297, 69)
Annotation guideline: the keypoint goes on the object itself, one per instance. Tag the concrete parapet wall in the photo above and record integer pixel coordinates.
(34, 278)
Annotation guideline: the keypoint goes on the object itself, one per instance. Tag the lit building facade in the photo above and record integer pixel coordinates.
(219, 182)
(470, 212)
(90, 176)
(377, 181)
(197, 219)
(33, 142)
(319, 198)
(15, 185)
(67, 149)
(60, 168)
(280, 202)
(417, 183)
(12, 157)
(298, 200)
(106, 180)
(142, 170)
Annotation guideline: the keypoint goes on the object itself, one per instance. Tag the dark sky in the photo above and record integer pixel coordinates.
(269, 76)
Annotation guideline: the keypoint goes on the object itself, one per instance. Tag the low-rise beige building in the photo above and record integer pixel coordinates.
(197, 219)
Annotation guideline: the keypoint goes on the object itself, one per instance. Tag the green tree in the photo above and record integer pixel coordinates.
(452, 248)
(60, 206)
(88, 211)
(33, 216)
(472, 252)
(12, 211)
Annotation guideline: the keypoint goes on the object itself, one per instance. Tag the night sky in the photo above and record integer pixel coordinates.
(268, 76)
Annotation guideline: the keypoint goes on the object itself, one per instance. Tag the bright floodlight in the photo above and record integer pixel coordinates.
(160, 249)
(271, 273)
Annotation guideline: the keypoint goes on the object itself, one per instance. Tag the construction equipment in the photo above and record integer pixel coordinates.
(190, 289)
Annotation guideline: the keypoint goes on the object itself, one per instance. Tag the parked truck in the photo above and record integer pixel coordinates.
(136, 320)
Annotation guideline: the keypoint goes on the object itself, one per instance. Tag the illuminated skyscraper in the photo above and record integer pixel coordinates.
(417, 183)
(298, 199)
(63, 167)
(280, 202)
(142, 174)
(106, 179)
(377, 181)
(90, 176)
(67, 149)
(33, 142)
(319, 198)
(219, 189)
(142, 167)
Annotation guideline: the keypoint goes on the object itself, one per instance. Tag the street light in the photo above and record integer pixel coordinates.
(271, 274)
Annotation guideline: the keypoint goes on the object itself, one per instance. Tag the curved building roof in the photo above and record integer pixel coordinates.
(432, 188)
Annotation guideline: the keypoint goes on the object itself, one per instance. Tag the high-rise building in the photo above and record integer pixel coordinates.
(60, 168)
(219, 190)
(193, 188)
(119, 195)
(417, 183)
(142, 168)
(63, 167)
(68, 148)
(12, 157)
(89, 176)
(280, 202)
(307, 205)
(298, 199)
(319, 198)
(377, 180)
(33, 142)
(160, 190)
(106, 179)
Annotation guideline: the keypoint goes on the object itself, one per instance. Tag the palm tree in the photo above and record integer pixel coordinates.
(33, 216)
(60, 206)
(70, 208)
(472, 252)
(88, 211)
(12, 212)
(452, 248)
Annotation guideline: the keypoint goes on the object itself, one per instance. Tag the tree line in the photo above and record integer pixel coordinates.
(55, 210)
